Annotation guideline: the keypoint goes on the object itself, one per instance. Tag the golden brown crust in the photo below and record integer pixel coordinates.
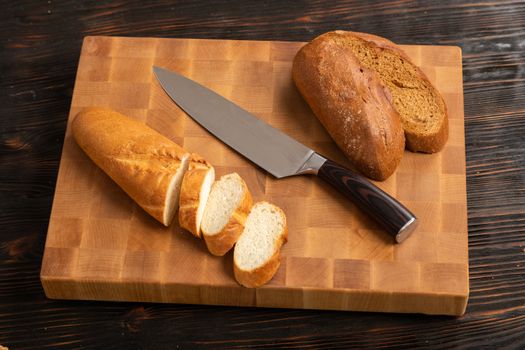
(139, 159)
(352, 104)
(261, 275)
(415, 141)
(189, 199)
(220, 243)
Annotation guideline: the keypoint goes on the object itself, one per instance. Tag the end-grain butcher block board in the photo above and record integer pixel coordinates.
(102, 246)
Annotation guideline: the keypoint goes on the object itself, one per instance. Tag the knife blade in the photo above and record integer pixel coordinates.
(278, 153)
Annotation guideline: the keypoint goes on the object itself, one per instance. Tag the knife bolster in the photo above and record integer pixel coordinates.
(312, 164)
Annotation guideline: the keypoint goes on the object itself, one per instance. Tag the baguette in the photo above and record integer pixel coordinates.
(195, 189)
(256, 256)
(352, 104)
(145, 164)
(225, 213)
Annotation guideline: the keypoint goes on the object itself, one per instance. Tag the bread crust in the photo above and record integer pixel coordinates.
(220, 243)
(415, 142)
(264, 273)
(352, 104)
(189, 199)
(139, 159)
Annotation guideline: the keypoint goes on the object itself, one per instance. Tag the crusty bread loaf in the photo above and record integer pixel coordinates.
(195, 188)
(226, 209)
(352, 104)
(147, 165)
(256, 256)
(420, 105)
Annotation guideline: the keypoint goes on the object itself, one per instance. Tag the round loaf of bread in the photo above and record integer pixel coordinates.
(352, 104)
(325, 72)
(420, 106)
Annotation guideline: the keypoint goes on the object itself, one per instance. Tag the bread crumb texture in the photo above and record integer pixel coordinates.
(226, 195)
(261, 236)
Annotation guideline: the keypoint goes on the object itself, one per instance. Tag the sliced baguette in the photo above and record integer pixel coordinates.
(195, 189)
(147, 165)
(228, 205)
(256, 256)
(420, 106)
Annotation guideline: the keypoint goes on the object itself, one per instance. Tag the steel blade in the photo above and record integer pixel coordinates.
(264, 145)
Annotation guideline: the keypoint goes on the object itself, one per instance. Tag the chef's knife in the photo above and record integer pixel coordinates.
(279, 154)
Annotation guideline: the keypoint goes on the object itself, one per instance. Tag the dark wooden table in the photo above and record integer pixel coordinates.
(40, 46)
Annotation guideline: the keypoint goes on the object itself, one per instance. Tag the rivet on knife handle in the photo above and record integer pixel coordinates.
(397, 220)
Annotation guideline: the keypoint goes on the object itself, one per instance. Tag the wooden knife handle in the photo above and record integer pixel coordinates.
(395, 218)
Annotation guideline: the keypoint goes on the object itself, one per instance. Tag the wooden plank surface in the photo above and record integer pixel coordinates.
(100, 245)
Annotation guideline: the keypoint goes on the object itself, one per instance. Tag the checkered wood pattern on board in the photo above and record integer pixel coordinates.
(102, 246)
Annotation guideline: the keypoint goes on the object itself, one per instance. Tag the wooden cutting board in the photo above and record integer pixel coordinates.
(102, 246)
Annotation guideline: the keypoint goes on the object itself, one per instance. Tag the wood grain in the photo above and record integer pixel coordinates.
(92, 251)
(41, 45)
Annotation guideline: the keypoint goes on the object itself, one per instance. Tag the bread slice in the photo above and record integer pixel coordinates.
(352, 104)
(419, 104)
(256, 257)
(147, 165)
(225, 213)
(195, 189)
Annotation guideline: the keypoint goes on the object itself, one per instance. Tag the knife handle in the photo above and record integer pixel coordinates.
(395, 218)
